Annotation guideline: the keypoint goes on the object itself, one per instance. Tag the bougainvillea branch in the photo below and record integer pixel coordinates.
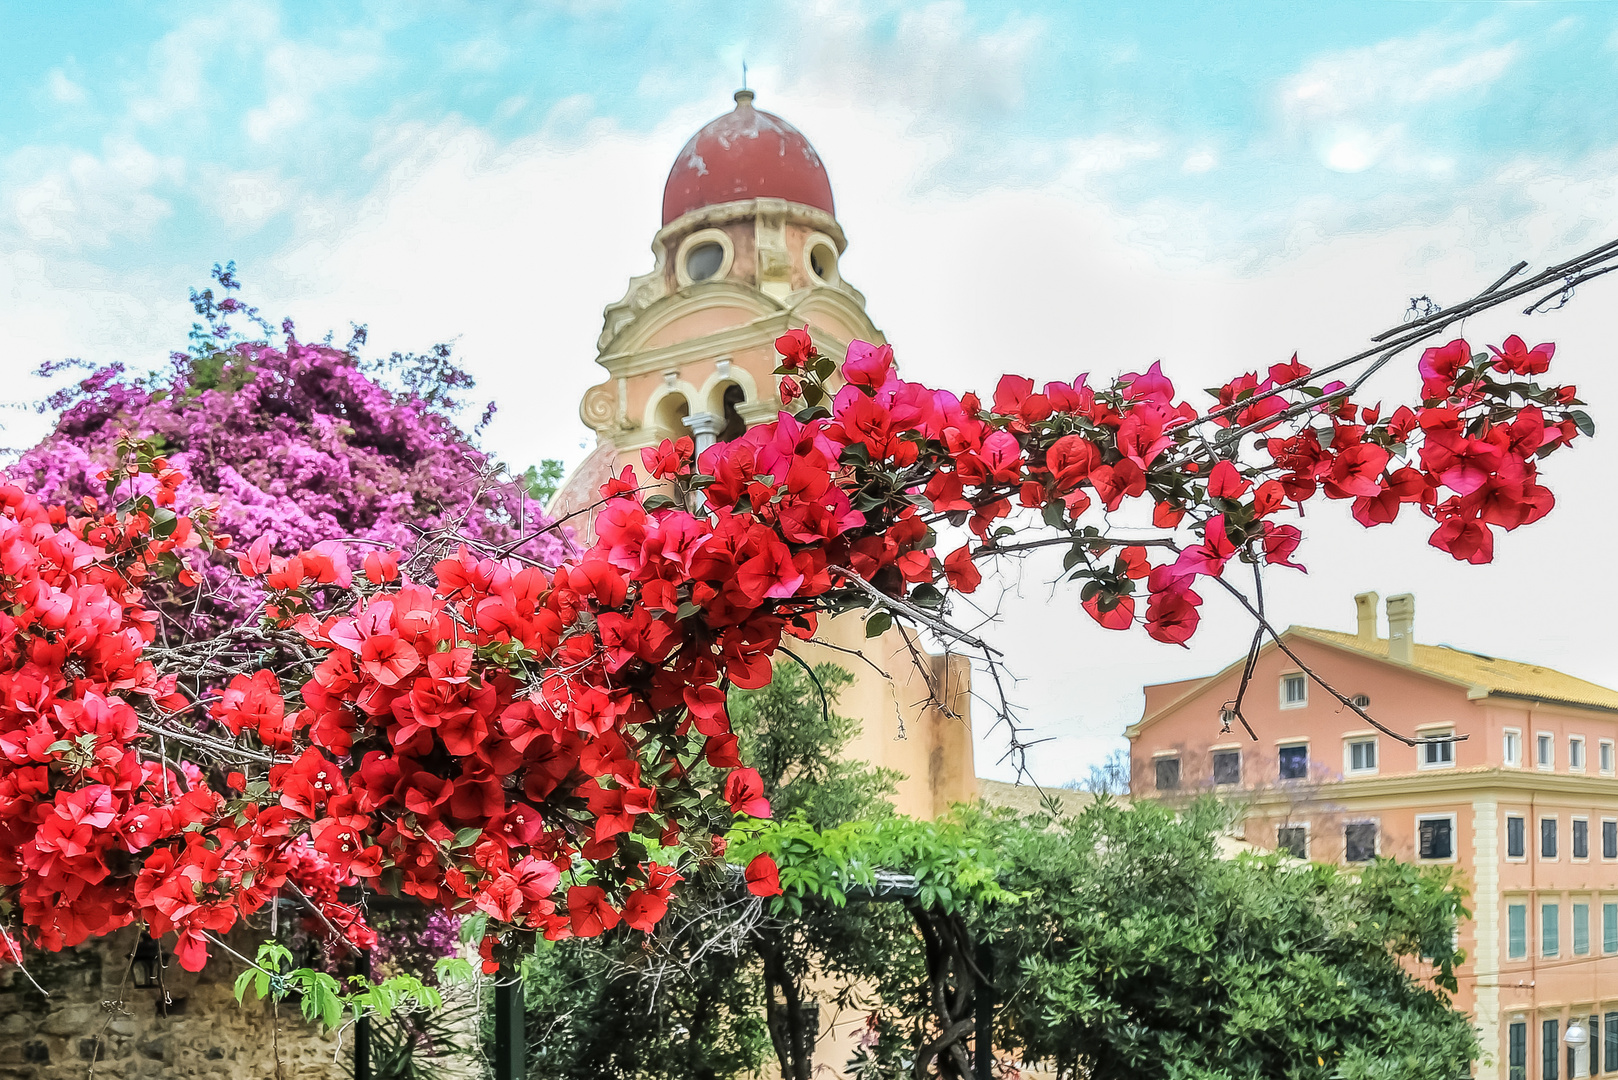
(543, 741)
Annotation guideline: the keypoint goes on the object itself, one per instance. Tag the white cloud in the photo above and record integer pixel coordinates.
(1355, 107)
(246, 200)
(1200, 161)
(177, 77)
(63, 90)
(76, 199)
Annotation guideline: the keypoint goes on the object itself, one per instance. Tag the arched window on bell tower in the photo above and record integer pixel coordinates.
(734, 426)
(671, 413)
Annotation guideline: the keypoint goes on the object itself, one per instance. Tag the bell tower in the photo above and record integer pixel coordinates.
(750, 246)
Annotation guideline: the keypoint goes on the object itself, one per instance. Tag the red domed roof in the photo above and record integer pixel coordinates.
(745, 154)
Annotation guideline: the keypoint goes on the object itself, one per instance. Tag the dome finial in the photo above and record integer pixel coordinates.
(744, 99)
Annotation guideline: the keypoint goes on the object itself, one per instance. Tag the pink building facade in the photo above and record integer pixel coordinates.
(1524, 803)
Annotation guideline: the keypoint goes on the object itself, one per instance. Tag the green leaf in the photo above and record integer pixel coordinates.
(878, 624)
(927, 596)
(658, 502)
(1582, 421)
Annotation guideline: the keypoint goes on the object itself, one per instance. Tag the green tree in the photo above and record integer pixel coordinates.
(707, 997)
(1139, 950)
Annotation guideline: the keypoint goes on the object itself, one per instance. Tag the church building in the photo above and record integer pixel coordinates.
(750, 247)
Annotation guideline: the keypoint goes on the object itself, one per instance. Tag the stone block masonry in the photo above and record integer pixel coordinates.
(205, 1034)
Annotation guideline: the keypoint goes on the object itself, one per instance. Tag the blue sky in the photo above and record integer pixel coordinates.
(1043, 187)
(1238, 115)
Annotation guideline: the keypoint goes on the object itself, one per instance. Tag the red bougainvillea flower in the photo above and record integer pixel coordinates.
(472, 730)
(744, 791)
(1516, 358)
(590, 913)
(795, 348)
(763, 876)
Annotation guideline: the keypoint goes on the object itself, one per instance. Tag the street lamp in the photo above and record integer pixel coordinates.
(1575, 1038)
(148, 963)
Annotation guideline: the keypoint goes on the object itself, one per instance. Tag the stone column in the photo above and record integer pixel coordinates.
(705, 428)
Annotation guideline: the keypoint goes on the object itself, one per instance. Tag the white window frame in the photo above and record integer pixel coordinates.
(1506, 735)
(1376, 822)
(1587, 838)
(1308, 835)
(1354, 739)
(1604, 823)
(1287, 677)
(1583, 762)
(1505, 839)
(1545, 738)
(1454, 839)
(1592, 906)
(1606, 757)
(1308, 757)
(1429, 731)
(1225, 748)
(1539, 835)
(1526, 902)
(1556, 902)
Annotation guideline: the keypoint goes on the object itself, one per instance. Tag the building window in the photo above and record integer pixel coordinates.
(1547, 838)
(1581, 929)
(1362, 756)
(1550, 940)
(1516, 842)
(1294, 840)
(1437, 837)
(1359, 841)
(1575, 753)
(1546, 751)
(1517, 931)
(1609, 933)
(1168, 773)
(1581, 838)
(1609, 839)
(1518, 1041)
(1550, 1044)
(1295, 762)
(1438, 755)
(1294, 691)
(1512, 750)
(1593, 1033)
(1612, 1040)
(1227, 767)
(1606, 757)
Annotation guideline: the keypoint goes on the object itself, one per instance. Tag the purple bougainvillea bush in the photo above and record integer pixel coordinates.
(296, 441)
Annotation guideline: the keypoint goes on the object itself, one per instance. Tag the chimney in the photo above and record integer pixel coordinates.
(1365, 609)
(1401, 628)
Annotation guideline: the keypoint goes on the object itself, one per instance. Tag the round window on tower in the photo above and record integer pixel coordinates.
(822, 260)
(706, 255)
(704, 261)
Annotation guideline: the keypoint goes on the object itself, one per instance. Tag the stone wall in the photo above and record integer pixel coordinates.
(204, 1034)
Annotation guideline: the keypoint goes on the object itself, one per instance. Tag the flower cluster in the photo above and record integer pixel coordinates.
(289, 440)
(541, 745)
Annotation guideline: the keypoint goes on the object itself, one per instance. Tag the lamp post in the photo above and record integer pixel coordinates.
(1576, 1038)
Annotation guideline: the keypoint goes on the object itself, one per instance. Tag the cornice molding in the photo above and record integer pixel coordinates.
(1438, 786)
(707, 217)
